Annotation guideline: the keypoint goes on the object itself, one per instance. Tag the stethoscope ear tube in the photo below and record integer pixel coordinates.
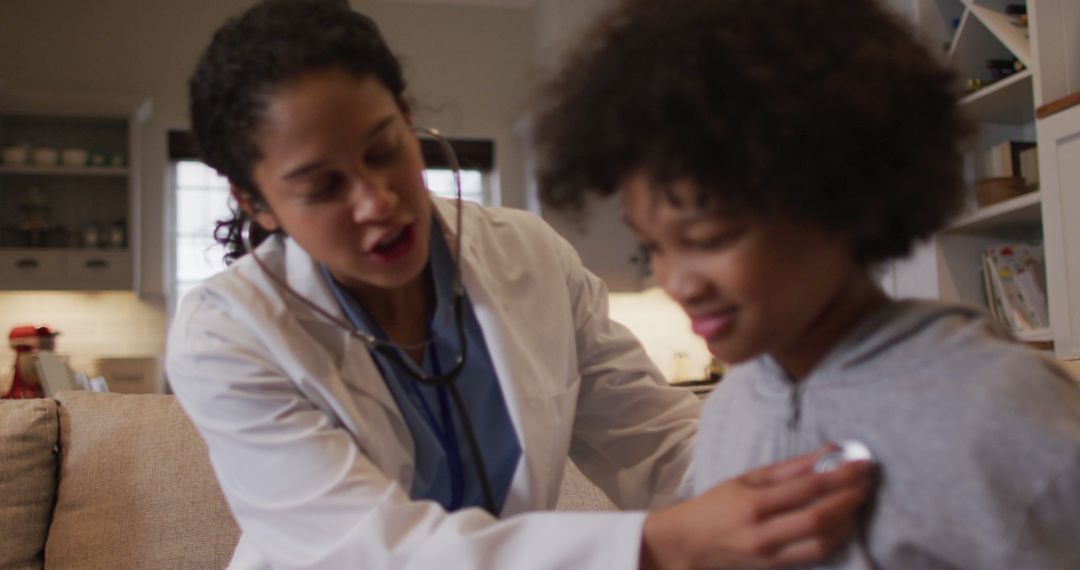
(455, 168)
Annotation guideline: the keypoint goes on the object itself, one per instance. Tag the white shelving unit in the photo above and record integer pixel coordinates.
(1007, 100)
(1059, 165)
(1023, 210)
(967, 33)
(72, 197)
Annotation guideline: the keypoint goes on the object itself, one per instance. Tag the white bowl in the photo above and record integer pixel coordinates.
(45, 156)
(73, 157)
(15, 155)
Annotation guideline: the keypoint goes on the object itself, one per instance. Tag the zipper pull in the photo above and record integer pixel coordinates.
(796, 408)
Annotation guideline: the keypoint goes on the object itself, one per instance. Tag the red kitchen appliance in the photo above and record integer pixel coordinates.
(28, 341)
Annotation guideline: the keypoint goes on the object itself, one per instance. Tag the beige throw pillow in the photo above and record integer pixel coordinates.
(27, 479)
(136, 489)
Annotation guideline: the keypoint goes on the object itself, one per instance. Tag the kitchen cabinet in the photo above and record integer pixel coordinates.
(1059, 157)
(64, 270)
(968, 34)
(69, 191)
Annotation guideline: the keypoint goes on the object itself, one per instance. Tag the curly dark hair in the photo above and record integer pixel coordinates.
(824, 112)
(251, 56)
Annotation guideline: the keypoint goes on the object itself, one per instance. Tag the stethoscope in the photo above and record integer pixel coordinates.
(395, 351)
(845, 452)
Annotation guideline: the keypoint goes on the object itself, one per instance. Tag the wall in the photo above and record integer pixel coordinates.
(91, 325)
(468, 69)
(664, 330)
(557, 25)
(906, 9)
(1073, 366)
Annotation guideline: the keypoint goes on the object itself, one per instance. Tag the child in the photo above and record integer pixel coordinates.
(769, 155)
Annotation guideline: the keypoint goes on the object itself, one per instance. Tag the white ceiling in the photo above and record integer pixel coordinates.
(498, 3)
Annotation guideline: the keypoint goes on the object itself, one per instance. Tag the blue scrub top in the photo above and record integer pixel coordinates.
(445, 470)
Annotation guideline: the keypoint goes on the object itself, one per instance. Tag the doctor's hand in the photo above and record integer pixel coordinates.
(777, 516)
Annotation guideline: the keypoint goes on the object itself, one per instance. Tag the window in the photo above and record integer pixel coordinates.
(473, 187)
(202, 198)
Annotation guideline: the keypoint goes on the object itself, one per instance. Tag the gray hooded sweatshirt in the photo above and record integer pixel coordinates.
(977, 439)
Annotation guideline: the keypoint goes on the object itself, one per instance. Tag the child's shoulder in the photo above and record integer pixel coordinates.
(935, 337)
(959, 346)
(958, 356)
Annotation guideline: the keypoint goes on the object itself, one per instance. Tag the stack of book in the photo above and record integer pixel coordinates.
(1015, 286)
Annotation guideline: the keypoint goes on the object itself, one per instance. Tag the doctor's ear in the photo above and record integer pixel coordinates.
(255, 208)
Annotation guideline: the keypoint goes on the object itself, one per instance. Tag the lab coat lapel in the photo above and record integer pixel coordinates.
(304, 276)
(512, 362)
(356, 367)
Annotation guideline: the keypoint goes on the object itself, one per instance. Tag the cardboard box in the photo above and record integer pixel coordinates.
(132, 375)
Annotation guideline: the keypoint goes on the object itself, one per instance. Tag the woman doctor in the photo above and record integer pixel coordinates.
(361, 414)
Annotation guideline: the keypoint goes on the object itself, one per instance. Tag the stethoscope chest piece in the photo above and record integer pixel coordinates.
(845, 452)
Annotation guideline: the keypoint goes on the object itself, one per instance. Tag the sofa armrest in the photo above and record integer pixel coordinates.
(136, 489)
(28, 431)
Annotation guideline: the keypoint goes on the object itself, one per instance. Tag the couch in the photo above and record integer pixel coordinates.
(116, 481)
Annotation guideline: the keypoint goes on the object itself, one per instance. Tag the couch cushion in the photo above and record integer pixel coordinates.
(27, 479)
(136, 489)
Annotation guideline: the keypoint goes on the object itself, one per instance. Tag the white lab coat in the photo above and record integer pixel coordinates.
(315, 459)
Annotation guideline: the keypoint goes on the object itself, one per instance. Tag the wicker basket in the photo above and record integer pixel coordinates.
(993, 190)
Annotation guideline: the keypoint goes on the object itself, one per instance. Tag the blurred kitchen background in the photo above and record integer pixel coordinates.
(106, 213)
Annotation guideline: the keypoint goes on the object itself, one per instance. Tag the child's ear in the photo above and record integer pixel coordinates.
(256, 208)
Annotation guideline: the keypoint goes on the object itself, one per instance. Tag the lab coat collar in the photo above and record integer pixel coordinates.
(490, 306)
(303, 275)
(302, 272)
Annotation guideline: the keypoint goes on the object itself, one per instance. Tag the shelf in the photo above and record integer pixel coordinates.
(1022, 210)
(65, 170)
(55, 250)
(1038, 335)
(1013, 37)
(1005, 101)
(937, 25)
(976, 42)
